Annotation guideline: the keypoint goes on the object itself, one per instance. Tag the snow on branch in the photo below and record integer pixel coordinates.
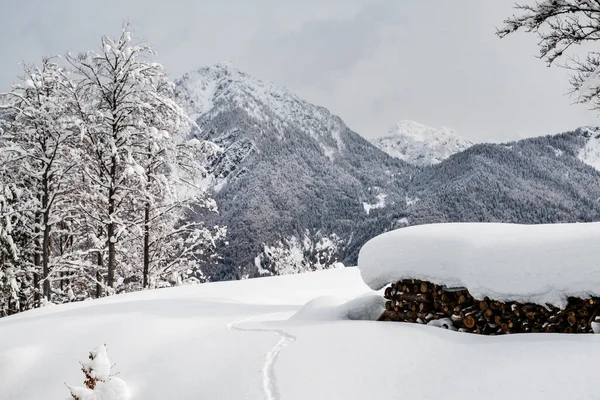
(561, 26)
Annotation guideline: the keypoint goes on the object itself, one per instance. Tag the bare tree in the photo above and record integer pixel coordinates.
(565, 27)
(118, 88)
(132, 134)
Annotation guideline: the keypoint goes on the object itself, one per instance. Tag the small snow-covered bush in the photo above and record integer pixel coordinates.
(99, 383)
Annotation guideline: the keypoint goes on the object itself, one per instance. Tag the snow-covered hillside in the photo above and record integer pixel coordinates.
(590, 153)
(210, 90)
(421, 145)
(288, 167)
(276, 338)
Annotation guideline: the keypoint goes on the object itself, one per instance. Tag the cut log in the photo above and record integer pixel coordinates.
(388, 293)
(498, 320)
(389, 305)
(469, 321)
(419, 301)
(488, 314)
(421, 298)
(483, 305)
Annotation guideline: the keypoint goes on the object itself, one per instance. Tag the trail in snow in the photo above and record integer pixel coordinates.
(269, 379)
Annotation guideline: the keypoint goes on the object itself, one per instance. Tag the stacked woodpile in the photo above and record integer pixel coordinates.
(424, 302)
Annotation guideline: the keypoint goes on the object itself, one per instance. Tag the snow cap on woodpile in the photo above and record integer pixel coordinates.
(542, 264)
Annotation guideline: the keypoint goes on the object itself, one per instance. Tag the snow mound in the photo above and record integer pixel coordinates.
(114, 389)
(330, 308)
(105, 387)
(444, 323)
(507, 262)
(421, 145)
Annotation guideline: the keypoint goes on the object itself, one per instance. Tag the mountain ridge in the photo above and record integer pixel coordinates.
(289, 170)
(300, 191)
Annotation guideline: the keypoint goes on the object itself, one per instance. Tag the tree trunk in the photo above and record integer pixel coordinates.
(45, 259)
(46, 240)
(146, 245)
(99, 275)
(112, 255)
(111, 231)
(37, 262)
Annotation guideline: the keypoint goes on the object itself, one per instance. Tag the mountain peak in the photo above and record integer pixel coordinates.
(408, 126)
(419, 144)
(208, 91)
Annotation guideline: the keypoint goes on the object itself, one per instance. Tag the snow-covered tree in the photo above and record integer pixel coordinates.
(136, 160)
(118, 88)
(562, 26)
(100, 382)
(100, 189)
(172, 185)
(314, 252)
(11, 270)
(39, 155)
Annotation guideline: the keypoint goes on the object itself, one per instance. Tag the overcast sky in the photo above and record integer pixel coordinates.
(373, 62)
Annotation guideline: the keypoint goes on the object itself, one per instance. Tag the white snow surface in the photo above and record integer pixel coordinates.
(113, 389)
(590, 153)
(238, 340)
(421, 145)
(507, 262)
(380, 203)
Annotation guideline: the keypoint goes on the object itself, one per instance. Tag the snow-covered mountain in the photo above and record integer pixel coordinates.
(290, 172)
(274, 111)
(421, 145)
(298, 189)
(533, 181)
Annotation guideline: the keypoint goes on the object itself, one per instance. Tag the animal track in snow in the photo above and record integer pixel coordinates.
(269, 380)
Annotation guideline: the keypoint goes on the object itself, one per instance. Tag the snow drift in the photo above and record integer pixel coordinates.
(507, 262)
(235, 340)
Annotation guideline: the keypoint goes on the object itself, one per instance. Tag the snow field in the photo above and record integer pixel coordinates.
(282, 338)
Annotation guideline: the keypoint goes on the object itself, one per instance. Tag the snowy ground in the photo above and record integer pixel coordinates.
(236, 340)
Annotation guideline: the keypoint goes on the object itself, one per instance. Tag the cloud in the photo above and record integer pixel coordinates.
(441, 64)
(373, 62)
(320, 49)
